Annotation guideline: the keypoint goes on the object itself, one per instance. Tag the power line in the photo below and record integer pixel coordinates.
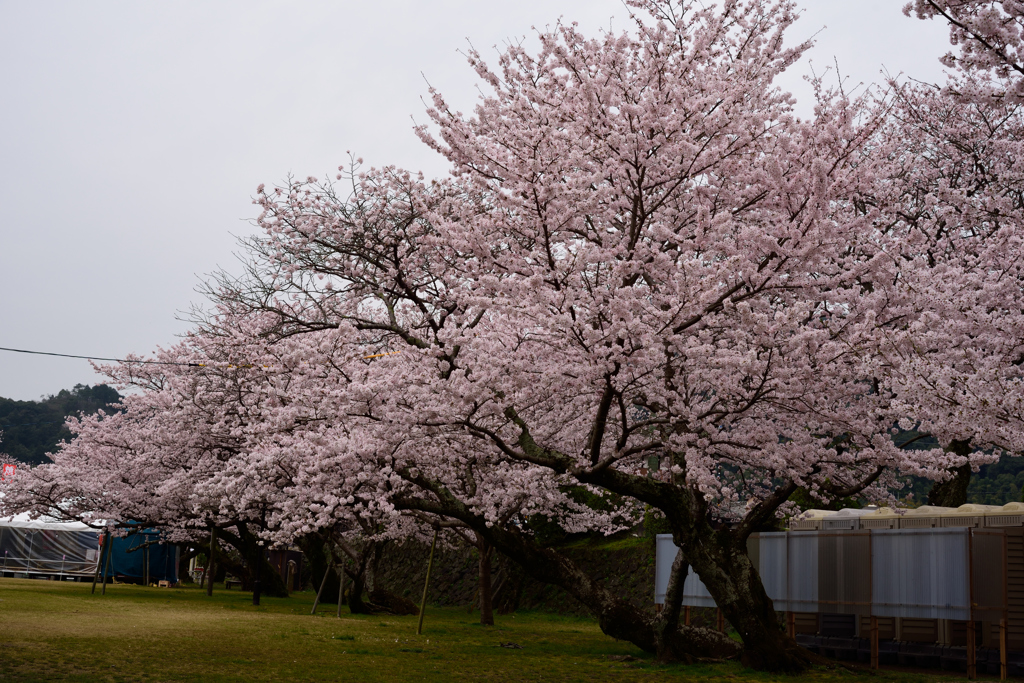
(112, 360)
(153, 362)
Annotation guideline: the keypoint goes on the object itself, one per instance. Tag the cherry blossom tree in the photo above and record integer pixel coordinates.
(641, 252)
(641, 255)
(988, 36)
(953, 204)
(172, 459)
(954, 207)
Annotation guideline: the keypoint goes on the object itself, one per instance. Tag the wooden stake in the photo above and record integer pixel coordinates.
(686, 616)
(1002, 649)
(99, 560)
(721, 620)
(106, 567)
(208, 573)
(426, 584)
(323, 582)
(874, 642)
(341, 586)
(972, 667)
(791, 624)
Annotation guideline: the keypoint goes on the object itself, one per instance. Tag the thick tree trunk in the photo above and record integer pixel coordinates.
(952, 493)
(356, 571)
(720, 558)
(374, 551)
(316, 551)
(356, 605)
(257, 575)
(208, 571)
(381, 599)
(486, 596)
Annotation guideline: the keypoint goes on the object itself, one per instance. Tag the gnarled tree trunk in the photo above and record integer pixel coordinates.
(719, 557)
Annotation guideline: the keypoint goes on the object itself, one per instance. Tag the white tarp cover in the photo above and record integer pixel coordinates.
(796, 590)
(23, 521)
(45, 546)
(920, 573)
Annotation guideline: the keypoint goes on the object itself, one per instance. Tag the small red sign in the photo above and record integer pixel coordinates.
(8, 471)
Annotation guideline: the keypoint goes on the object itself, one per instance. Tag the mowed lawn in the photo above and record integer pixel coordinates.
(51, 631)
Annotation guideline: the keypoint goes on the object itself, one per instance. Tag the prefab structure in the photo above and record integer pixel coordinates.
(44, 548)
(928, 576)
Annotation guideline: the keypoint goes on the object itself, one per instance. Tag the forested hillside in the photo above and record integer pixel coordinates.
(31, 429)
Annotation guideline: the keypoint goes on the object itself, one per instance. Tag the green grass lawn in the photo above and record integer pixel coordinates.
(59, 632)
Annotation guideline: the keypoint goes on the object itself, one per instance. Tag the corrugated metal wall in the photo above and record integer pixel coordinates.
(1015, 587)
(844, 572)
(924, 573)
(920, 573)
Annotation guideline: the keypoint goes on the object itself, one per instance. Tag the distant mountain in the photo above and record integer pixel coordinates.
(31, 429)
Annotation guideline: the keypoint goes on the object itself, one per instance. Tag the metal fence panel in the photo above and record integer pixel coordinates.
(665, 552)
(920, 573)
(773, 559)
(844, 572)
(988, 574)
(802, 584)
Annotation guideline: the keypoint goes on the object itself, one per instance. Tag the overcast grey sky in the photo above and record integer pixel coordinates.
(132, 135)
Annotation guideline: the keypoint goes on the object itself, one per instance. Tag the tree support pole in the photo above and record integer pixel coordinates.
(106, 567)
(874, 642)
(100, 559)
(1002, 649)
(341, 586)
(426, 584)
(972, 666)
(208, 573)
(323, 582)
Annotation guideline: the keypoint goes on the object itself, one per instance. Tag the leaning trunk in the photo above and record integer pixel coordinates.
(616, 617)
(666, 626)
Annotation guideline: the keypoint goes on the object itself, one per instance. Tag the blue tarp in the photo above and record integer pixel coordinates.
(128, 556)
